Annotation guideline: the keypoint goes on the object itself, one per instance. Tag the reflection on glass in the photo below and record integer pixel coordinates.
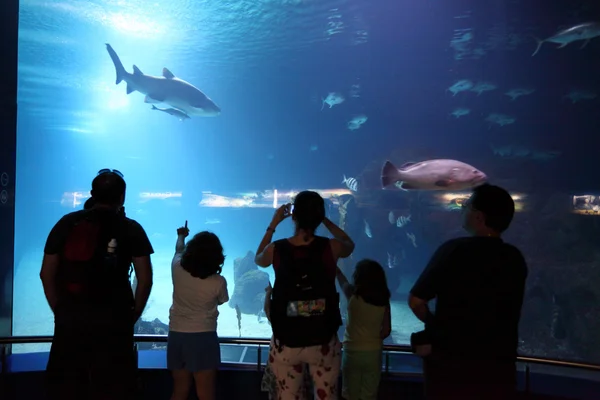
(586, 204)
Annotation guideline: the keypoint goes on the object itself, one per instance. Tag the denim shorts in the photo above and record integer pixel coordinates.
(193, 352)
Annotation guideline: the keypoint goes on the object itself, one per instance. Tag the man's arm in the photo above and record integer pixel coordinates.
(143, 273)
(427, 286)
(420, 308)
(51, 261)
(142, 249)
(48, 275)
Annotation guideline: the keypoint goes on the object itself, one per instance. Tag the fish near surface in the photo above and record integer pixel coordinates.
(439, 174)
(586, 32)
(166, 89)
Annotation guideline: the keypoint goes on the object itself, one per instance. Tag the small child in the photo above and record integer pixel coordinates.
(369, 323)
(268, 383)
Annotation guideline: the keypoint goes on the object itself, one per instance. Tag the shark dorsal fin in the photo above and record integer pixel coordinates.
(168, 74)
(137, 71)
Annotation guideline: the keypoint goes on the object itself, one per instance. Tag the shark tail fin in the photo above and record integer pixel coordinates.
(154, 107)
(121, 73)
(539, 45)
(389, 174)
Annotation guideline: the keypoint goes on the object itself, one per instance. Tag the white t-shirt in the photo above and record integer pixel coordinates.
(195, 300)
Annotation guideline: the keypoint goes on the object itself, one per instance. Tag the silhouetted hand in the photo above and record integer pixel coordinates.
(183, 231)
(282, 213)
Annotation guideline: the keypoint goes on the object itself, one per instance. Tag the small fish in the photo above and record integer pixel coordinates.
(459, 112)
(585, 32)
(332, 99)
(578, 95)
(412, 238)
(368, 230)
(212, 221)
(356, 122)
(392, 217)
(355, 90)
(351, 183)
(545, 155)
(173, 111)
(460, 86)
(500, 119)
(519, 151)
(518, 92)
(432, 175)
(402, 221)
(481, 87)
(392, 261)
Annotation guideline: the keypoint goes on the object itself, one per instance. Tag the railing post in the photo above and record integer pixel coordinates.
(138, 379)
(135, 355)
(3, 372)
(3, 359)
(387, 362)
(527, 380)
(259, 358)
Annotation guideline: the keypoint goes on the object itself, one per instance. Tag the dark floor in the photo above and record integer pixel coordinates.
(233, 384)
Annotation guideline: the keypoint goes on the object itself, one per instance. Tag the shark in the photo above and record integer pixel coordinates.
(166, 89)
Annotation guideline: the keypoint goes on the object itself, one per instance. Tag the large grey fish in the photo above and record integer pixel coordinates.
(166, 89)
(432, 175)
(586, 32)
(173, 111)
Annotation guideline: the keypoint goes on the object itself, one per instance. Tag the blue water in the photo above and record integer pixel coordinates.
(268, 65)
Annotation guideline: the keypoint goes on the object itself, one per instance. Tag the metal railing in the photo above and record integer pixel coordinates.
(260, 343)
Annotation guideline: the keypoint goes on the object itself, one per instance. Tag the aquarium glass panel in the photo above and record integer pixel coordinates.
(218, 112)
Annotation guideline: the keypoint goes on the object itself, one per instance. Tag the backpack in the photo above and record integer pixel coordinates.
(305, 305)
(92, 270)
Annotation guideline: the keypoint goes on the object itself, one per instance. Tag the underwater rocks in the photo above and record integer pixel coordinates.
(155, 327)
(249, 285)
